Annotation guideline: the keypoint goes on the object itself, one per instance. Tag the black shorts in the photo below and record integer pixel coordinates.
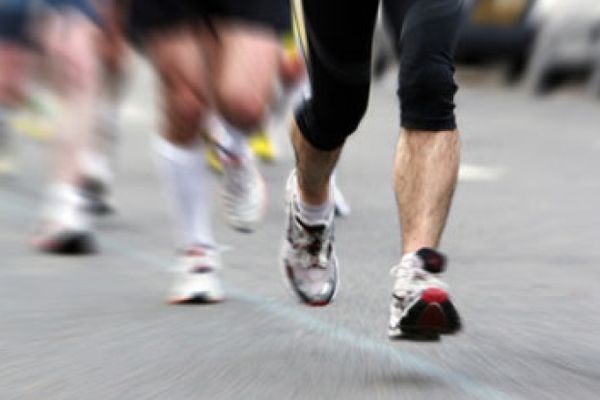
(18, 16)
(340, 35)
(147, 16)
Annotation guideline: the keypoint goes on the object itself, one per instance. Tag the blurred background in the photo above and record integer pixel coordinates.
(522, 237)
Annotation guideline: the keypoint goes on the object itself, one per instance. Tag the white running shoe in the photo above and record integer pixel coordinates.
(421, 307)
(243, 192)
(97, 183)
(66, 226)
(197, 277)
(308, 255)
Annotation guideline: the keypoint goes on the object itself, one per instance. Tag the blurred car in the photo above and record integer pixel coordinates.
(493, 30)
(568, 45)
(498, 30)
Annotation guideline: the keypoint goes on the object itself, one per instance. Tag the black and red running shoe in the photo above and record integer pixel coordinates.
(421, 308)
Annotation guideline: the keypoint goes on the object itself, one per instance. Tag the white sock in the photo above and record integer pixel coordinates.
(411, 260)
(228, 137)
(314, 214)
(96, 165)
(99, 160)
(189, 187)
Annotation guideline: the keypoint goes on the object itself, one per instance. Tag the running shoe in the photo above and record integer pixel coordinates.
(421, 307)
(99, 198)
(243, 193)
(197, 277)
(65, 227)
(64, 240)
(308, 255)
(96, 184)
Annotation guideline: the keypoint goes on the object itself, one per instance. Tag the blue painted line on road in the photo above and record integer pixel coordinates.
(303, 318)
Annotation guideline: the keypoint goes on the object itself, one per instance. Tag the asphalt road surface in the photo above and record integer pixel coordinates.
(523, 241)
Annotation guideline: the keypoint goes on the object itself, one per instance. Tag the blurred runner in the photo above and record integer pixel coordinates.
(291, 79)
(81, 47)
(15, 62)
(339, 38)
(218, 62)
(293, 82)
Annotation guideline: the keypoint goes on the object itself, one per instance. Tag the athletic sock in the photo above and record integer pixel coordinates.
(99, 160)
(189, 188)
(229, 138)
(314, 214)
(412, 260)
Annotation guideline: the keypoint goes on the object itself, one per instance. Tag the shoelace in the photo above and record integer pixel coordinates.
(315, 242)
(406, 273)
(403, 273)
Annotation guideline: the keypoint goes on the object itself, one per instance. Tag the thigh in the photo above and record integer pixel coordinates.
(424, 26)
(245, 60)
(176, 56)
(179, 63)
(70, 43)
(427, 34)
(339, 35)
(15, 65)
(112, 47)
(249, 58)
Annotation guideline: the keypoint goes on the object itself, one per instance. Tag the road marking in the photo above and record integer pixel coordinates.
(473, 173)
(361, 342)
(299, 316)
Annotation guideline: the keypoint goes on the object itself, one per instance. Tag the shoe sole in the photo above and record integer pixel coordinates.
(197, 298)
(432, 315)
(101, 209)
(70, 244)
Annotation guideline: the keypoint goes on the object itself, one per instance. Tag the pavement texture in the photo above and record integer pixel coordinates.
(522, 241)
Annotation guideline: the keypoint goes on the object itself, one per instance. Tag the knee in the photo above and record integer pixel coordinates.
(76, 73)
(178, 64)
(245, 109)
(326, 121)
(426, 92)
(75, 59)
(349, 111)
